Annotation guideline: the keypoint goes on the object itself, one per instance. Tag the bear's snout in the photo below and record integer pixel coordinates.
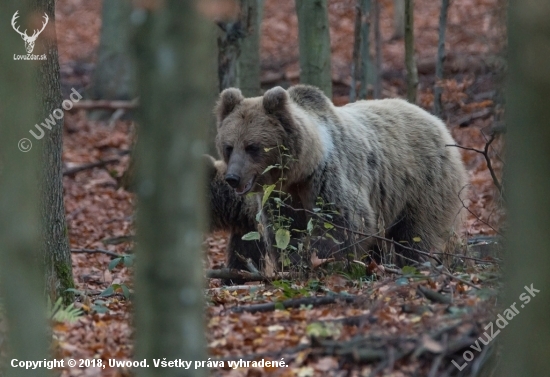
(232, 180)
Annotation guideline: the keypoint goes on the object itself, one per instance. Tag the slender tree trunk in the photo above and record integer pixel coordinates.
(114, 75)
(527, 184)
(398, 19)
(356, 57)
(410, 63)
(438, 89)
(229, 50)
(169, 275)
(365, 47)
(314, 40)
(249, 60)
(378, 49)
(57, 254)
(21, 273)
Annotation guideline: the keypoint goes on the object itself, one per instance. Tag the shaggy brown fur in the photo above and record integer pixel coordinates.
(234, 214)
(382, 164)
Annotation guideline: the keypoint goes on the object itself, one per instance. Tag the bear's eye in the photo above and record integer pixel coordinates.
(252, 149)
(227, 151)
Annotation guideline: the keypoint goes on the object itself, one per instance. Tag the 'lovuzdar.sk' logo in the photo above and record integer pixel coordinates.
(29, 40)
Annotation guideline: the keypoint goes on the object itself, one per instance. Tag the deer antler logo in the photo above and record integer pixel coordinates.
(29, 40)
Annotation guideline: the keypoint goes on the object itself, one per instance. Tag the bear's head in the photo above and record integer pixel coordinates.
(254, 134)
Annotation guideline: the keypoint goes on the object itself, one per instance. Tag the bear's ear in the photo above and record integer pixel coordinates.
(229, 99)
(275, 100)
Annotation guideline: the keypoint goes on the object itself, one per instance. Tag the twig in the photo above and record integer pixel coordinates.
(485, 153)
(465, 121)
(476, 216)
(459, 279)
(293, 303)
(94, 251)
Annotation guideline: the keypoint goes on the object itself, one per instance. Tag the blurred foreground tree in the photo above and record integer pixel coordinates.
(314, 41)
(56, 251)
(21, 275)
(175, 90)
(114, 75)
(239, 48)
(526, 351)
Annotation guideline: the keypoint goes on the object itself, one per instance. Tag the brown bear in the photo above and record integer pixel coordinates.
(383, 165)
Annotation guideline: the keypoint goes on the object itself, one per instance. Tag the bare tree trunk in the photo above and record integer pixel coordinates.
(249, 61)
(527, 183)
(114, 75)
(170, 185)
(57, 254)
(378, 50)
(21, 273)
(438, 89)
(412, 72)
(314, 40)
(229, 50)
(398, 19)
(356, 60)
(365, 47)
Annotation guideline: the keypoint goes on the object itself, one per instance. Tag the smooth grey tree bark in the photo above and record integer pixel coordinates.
(21, 273)
(440, 60)
(410, 63)
(527, 184)
(314, 41)
(175, 69)
(114, 75)
(56, 251)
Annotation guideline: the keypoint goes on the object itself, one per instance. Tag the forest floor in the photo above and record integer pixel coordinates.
(394, 323)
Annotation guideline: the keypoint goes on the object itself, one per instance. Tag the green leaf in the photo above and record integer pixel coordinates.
(109, 291)
(409, 270)
(310, 225)
(114, 263)
(267, 192)
(125, 291)
(251, 236)
(282, 238)
(128, 260)
(269, 168)
(417, 239)
(328, 226)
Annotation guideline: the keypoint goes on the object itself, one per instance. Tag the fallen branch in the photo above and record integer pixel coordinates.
(105, 104)
(226, 273)
(293, 303)
(92, 165)
(466, 120)
(95, 251)
(434, 296)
